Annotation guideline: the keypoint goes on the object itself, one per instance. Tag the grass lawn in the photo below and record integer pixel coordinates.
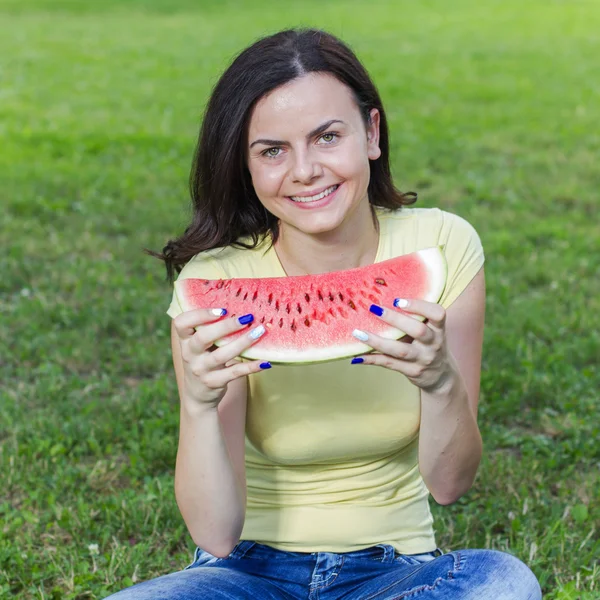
(494, 110)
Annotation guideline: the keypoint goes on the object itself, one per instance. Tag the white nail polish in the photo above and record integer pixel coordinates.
(400, 303)
(361, 335)
(257, 332)
(218, 312)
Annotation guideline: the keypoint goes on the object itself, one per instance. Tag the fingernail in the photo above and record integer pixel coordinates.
(257, 332)
(376, 309)
(400, 303)
(218, 312)
(357, 361)
(361, 335)
(266, 365)
(246, 319)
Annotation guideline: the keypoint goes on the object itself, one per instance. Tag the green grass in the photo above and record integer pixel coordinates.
(494, 110)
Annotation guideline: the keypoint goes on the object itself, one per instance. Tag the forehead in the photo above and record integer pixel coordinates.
(303, 102)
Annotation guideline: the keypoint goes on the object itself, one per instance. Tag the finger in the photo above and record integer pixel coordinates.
(409, 369)
(393, 348)
(221, 377)
(405, 323)
(208, 334)
(434, 313)
(220, 357)
(186, 322)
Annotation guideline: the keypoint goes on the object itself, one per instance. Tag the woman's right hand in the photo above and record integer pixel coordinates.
(207, 368)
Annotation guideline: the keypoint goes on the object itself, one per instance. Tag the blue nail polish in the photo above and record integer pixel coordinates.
(246, 319)
(265, 365)
(357, 361)
(376, 309)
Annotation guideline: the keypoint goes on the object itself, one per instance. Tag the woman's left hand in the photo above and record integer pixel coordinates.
(425, 361)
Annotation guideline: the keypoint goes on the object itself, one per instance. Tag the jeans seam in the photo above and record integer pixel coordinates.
(458, 565)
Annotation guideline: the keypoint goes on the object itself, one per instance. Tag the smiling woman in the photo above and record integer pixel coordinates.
(244, 147)
(309, 481)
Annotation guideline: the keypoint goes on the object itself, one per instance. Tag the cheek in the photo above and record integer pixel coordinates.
(351, 161)
(267, 179)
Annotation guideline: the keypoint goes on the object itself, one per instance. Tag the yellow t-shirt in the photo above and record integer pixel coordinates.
(332, 448)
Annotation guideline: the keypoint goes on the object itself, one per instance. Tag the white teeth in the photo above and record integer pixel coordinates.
(316, 197)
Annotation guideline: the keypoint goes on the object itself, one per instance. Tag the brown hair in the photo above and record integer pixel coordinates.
(225, 206)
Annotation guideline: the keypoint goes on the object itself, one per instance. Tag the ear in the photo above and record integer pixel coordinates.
(373, 150)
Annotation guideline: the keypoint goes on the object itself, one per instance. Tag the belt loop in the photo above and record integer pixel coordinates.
(389, 553)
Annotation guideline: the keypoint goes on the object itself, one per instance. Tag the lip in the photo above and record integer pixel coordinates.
(318, 203)
(313, 192)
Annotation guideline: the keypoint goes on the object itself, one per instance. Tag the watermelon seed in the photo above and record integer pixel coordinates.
(351, 305)
(293, 326)
(341, 297)
(299, 308)
(307, 322)
(331, 296)
(287, 309)
(381, 281)
(276, 304)
(320, 295)
(280, 322)
(255, 295)
(307, 297)
(262, 320)
(245, 295)
(270, 298)
(238, 292)
(220, 284)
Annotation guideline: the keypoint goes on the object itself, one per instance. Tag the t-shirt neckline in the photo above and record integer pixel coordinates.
(278, 267)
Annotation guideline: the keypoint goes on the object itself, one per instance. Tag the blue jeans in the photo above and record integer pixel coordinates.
(257, 572)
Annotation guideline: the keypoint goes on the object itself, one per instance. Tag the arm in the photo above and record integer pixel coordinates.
(450, 444)
(210, 483)
(443, 359)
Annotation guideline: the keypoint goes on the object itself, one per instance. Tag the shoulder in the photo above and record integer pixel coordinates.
(431, 217)
(410, 229)
(225, 262)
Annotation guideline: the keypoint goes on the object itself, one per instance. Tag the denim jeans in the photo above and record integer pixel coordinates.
(257, 572)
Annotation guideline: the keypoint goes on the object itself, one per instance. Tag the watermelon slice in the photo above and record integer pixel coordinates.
(310, 318)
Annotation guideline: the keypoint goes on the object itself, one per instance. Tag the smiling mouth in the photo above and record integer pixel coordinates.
(316, 197)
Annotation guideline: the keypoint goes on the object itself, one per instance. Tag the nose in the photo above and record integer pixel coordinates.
(305, 168)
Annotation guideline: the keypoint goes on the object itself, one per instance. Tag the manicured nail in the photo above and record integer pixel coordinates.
(377, 310)
(361, 335)
(357, 361)
(246, 319)
(257, 332)
(400, 303)
(218, 312)
(266, 365)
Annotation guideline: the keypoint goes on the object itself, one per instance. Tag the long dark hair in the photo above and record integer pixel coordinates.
(225, 205)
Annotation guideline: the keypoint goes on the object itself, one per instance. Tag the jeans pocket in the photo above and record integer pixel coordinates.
(202, 558)
(419, 559)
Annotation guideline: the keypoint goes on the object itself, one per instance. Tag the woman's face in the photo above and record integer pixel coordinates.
(308, 153)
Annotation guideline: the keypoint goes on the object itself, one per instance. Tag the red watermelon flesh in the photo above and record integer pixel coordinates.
(310, 318)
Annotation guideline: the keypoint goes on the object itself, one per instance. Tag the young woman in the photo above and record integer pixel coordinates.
(312, 481)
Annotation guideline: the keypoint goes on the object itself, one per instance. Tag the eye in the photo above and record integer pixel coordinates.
(329, 137)
(271, 152)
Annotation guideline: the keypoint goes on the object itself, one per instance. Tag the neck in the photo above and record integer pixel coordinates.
(353, 244)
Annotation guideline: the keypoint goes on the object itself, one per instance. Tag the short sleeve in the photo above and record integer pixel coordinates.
(200, 267)
(464, 253)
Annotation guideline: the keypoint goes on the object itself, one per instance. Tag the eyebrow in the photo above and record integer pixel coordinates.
(313, 133)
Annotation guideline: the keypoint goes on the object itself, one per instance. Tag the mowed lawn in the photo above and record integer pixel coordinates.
(494, 110)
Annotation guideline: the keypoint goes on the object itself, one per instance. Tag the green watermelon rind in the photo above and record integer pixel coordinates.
(436, 261)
